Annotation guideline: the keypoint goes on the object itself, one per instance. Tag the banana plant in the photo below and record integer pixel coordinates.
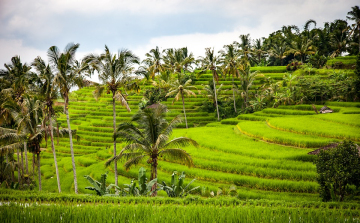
(144, 188)
(177, 189)
(100, 187)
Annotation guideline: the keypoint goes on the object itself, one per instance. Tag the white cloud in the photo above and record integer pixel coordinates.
(15, 47)
(197, 42)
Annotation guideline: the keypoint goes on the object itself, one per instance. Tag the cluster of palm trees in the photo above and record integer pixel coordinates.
(28, 114)
(289, 43)
(29, 93)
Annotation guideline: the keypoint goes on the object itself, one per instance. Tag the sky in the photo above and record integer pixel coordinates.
(29, 27)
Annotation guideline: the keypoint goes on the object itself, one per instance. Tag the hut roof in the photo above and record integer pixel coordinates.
(325, 109)
(155, 105)
(327, 147)
(88, 83)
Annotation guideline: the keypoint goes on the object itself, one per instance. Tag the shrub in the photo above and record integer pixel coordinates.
(337, 168)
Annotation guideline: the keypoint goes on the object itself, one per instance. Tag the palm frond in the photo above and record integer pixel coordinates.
(181, 142)
(178, 154)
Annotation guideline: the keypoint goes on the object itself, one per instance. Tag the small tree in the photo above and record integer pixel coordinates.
(337, 169)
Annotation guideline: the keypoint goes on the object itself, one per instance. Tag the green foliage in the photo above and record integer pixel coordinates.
(155, 95)
(338, 168)
(99, 186)
(177, 187)
(144, 188)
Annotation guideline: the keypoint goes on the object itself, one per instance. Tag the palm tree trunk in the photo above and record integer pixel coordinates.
(57, 131)
(39, 170)
(359, 36)
(54, 153)
(114, 126)
(71, 144)
(216, 104)
(234, 93)
(19, 172)
(22, 162)
(182, 97)
(26, 163)
(153, 176)
(33, 162)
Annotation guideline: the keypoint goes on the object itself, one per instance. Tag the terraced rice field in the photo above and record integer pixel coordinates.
(264, 154)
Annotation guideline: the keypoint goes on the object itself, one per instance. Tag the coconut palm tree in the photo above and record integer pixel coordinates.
(16, 80)
(181, 90)
(354, 15)
(28, 117)
(302, 46)
(244, 45)
(17, 76)
(49, 93)
(211, 62)
(258, 50)
(178, 60)
(246, 80)
(67, 75)
(230, 61)
(210, 92)
(278, 50)
(154, 62)
(150, 139)
(114, 73)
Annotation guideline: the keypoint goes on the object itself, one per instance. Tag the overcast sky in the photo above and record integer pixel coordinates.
(29, 28)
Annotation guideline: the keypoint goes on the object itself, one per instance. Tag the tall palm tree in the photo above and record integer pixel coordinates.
(354, 15)
(151, 140)
(49, 93)
(154, 61)
(246, 79)
(211, 62)
(181, 90)
(230, 61)
(114, 73)
(67, 75)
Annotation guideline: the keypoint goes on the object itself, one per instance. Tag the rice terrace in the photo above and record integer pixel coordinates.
(261, 130)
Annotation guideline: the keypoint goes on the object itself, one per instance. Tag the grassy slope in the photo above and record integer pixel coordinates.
(226, 156)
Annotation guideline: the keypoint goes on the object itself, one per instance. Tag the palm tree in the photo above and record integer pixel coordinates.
(180, 90)
(302, 46)
(28, 116)
(49, 93)
(178, 60)
(210, 62)
(210, 92)
(355, 16)
(18, 76)
(230, 60)
(114, 73)
(154, 62)
(151, 140)
(246, 79)
(258, 50)
(244, 45)
(16, 79)
(278, 50)
(67, 75)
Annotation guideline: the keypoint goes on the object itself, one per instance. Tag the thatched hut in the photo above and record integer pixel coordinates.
(88, 83)
(327, 147)
(325, 109)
